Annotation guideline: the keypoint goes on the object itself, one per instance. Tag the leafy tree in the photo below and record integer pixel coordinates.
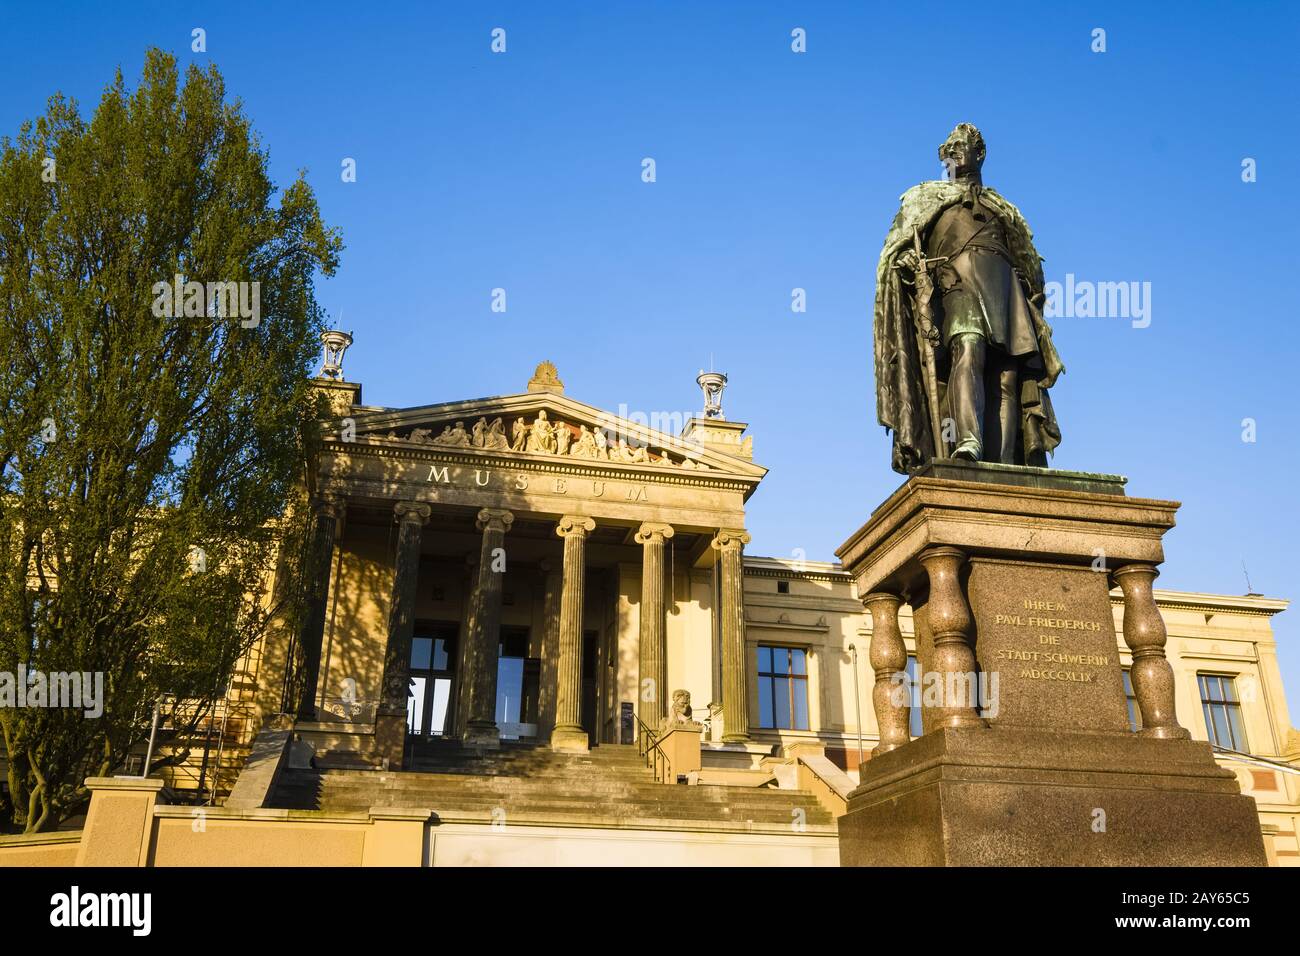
(145, 458)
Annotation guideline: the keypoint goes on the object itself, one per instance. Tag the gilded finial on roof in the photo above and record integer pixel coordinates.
(546, 379)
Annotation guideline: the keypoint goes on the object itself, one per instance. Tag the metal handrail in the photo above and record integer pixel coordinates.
(1229, 754)
(647, 745)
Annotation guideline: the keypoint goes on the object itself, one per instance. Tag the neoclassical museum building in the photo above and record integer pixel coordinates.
(534, 635)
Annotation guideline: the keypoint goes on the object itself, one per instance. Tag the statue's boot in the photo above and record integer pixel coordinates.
(966, 394)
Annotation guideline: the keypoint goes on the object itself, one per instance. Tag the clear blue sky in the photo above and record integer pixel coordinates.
(775, 171)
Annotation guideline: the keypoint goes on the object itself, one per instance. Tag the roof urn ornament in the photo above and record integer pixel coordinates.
(712, 383)
(335, 343)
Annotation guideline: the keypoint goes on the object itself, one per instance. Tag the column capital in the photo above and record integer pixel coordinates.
(494, 519)
(730, 539)
(652, 530)
(885, 598)
(942, 551)
(412, 511)
(329, 505)
(1137, 571)
(571, 525)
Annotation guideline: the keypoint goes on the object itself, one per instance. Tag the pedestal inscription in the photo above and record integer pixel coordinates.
(1046, 646)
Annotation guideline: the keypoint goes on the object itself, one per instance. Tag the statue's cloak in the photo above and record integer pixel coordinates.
(900, 392)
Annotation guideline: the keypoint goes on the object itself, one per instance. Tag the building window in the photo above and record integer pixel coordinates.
(914, 699)
(1222, 711)
(783, 688)
(1134, 714)
(782, 587)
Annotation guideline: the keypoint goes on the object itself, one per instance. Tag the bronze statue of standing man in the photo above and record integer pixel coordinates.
(963, 357)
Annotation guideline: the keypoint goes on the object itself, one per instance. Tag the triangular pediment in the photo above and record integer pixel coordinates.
(544, 425)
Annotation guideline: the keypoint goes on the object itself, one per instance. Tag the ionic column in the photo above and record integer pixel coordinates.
(552, 586)
(730, 543)
(329, 512)
(464, 635)
(654, 624)
(950, 627)
(888, 657)
(1144, 633)
(390, 719)
(485, 638)
(568, 733)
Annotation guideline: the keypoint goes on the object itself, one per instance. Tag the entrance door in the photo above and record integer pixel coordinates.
(433, 680)
(590, 685)
(518, 681)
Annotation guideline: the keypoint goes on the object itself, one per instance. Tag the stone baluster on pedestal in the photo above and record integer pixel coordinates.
(1144, 633)
(950, 622)
(888, 657)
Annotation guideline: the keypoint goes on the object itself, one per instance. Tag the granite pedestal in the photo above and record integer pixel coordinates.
(1027, 756)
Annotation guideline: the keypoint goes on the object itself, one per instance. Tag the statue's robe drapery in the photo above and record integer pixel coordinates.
(901, 404)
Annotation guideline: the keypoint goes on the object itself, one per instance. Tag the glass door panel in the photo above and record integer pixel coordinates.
(438, 704)
(415, 718)
(432, 670)
(510, 691)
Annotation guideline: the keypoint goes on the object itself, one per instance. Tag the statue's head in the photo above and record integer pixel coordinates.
(963, 151)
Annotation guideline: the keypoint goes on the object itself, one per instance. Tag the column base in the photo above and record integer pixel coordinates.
(390, 738)
(971, 721)
(485, 736)
(1166, 733)
(568, 740)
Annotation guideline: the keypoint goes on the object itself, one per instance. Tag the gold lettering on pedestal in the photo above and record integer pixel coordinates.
(598, 489)
(521, 482)
(439, 474)
(481, 478)
(637, 494)
(1067, 624)
(1050, 664)
(561, 486)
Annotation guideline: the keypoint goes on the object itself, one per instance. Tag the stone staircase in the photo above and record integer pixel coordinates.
(529, 783)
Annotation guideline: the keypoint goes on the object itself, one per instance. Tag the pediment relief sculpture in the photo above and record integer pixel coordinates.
(546, 436)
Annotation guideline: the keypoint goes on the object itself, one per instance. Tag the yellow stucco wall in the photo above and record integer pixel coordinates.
(52, 849)
(239, 842)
